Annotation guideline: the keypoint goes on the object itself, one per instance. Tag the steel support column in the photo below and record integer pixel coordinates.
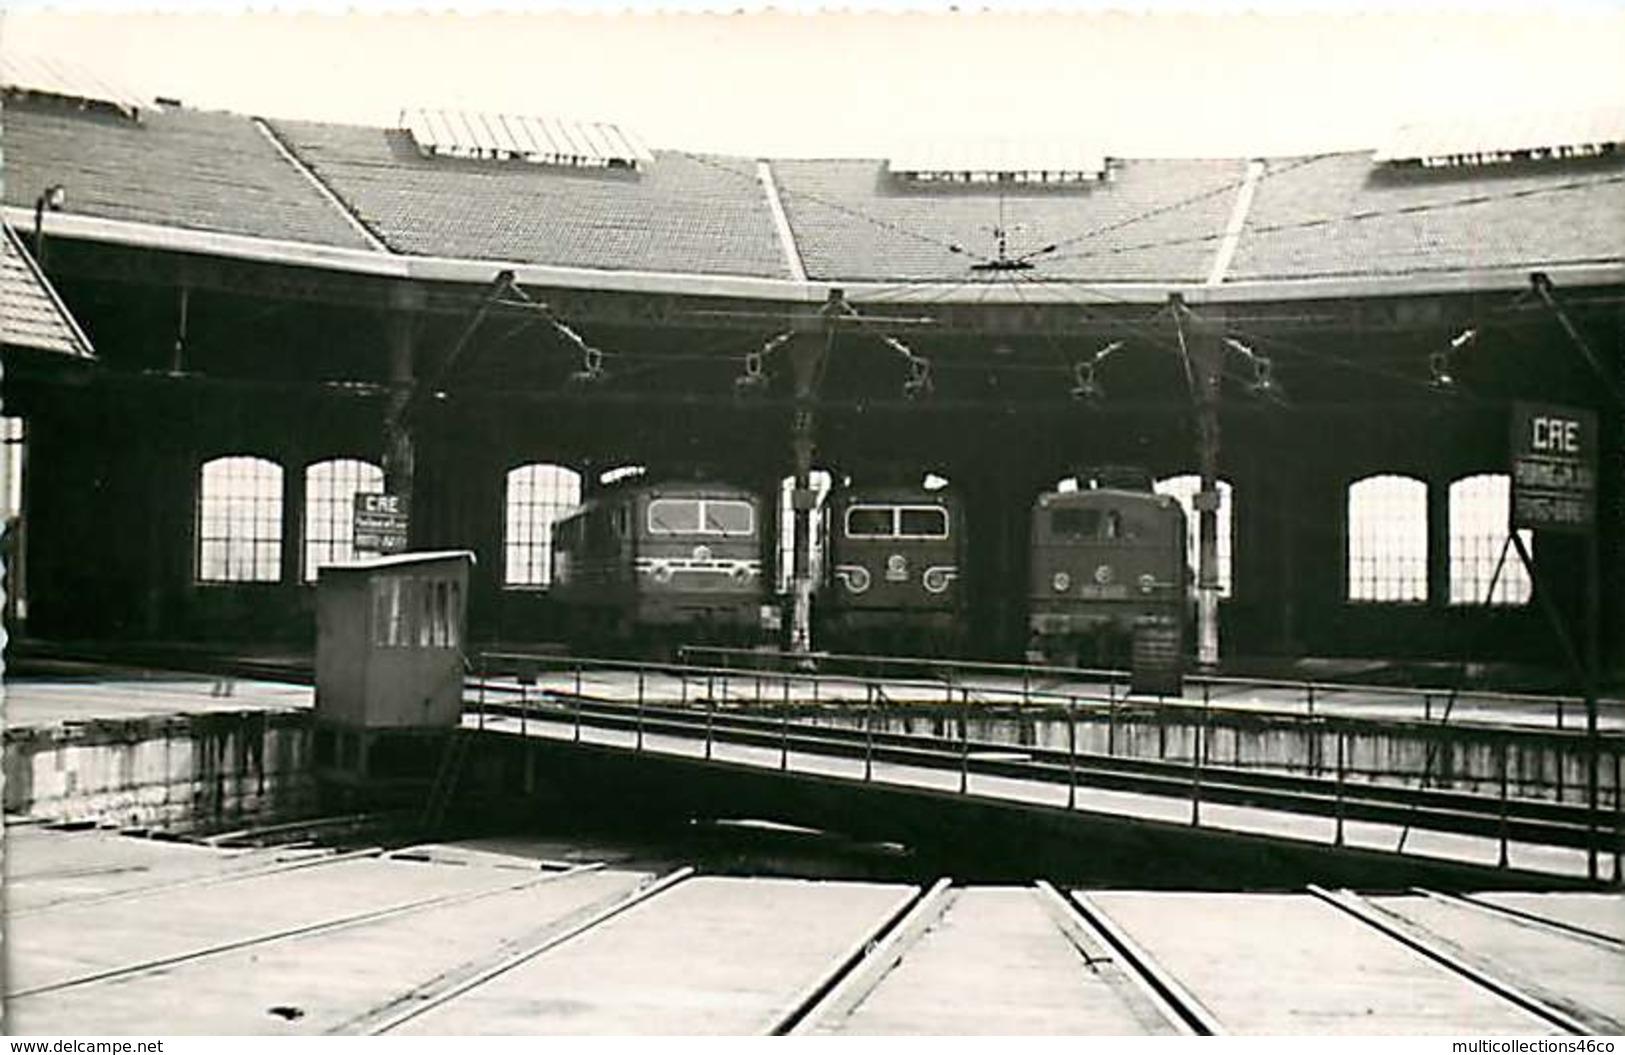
(807, 355)
(399, 446)
(1204, 353)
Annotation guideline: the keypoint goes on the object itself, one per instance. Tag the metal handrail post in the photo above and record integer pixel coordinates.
(1342, 762)
(1198, 745)
(482, 690)
(784, 728)
(1072, 752)
(1111, 727)
(1501, 755)
(964, 741)
(1619, 832)
(868, 734)
(576, 706)
(1311, 692)
(639, 745)
(524, 709)
(710, 708)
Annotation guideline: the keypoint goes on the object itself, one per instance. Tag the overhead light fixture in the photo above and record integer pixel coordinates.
(753, 381)
(591, 371)
(1441, 379)
(1441, 364)
(1263, 385)
(918, 384)
(1085, 387)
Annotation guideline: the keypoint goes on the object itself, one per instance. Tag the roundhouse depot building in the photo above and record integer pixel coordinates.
(274, 302)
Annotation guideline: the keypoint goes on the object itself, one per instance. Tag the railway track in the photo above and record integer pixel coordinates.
(303, 930)
(1510, 819)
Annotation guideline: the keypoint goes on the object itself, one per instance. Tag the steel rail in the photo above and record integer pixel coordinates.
(1120, 676)
(551, 940)
(1094, 946)
(197, 881)
(1530, 920)
(1170, 991)
(858, 969)
(302, 931)
(1408, 935)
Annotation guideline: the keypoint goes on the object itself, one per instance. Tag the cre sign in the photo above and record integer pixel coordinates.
(381, 522)
(1554, 467)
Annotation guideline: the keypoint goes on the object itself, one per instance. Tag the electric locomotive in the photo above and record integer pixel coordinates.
(661, 564)
(894, 565)
(1103, 557)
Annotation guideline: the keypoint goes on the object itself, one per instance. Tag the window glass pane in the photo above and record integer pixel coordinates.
(1388, 539)
(923, 523)
(240, 520)
(1479, 544)
(674, 516)
(870, 521)
(330, 490)
(1075, 525)
(537, 497)
(1185, 489)
(11, 466)
(729, 517)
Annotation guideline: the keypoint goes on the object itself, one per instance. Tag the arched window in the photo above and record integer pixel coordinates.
(1388, 539)
(537, 495)
(1478, 543)
(820, 481)
(1185, 488)
(240, 520)
(330, 490)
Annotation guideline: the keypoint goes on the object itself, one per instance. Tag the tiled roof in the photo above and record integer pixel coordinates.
(30, 314)
(853, 220)
(1347, 215)
(683, 213)
(179, 168)
(1151, 221)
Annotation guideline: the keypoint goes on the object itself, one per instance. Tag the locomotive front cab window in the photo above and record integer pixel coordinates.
(729, 517)
(1076, 525)
(922, 522)
(869, 522)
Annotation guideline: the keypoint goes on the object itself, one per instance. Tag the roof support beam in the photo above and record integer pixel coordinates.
(781, 223)
(1238, 219)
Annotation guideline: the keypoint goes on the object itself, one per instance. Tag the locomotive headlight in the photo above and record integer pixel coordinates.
(1062, 582)
(1148, 582)
(662, 573)
(855, 577)
(936, 579)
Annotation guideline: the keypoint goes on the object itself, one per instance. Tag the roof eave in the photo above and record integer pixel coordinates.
(1068, 291)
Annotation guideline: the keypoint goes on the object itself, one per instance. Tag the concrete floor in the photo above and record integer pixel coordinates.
(117, 935)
